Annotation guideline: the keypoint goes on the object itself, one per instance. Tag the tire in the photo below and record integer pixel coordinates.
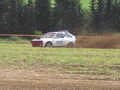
(48, 44)
(70, 44)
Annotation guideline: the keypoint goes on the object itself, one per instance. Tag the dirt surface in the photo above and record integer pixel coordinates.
(29, 79)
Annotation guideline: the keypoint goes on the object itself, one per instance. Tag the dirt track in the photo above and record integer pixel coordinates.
(28, 79)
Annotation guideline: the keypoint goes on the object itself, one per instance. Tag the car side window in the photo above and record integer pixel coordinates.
(67, 35)
(59, 35)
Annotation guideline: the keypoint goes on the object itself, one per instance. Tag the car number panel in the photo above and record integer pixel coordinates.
(59, 42)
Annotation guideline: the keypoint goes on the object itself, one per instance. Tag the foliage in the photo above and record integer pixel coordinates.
(68, 14)
(105, 15)
(116, 16)
(26, 16)
(97, 8)
(38, 32)
(15, 38)
(42, 8)
(28, 23)
(85, 4)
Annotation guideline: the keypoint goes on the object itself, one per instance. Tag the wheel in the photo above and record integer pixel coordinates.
(48, 44)
(70, 44)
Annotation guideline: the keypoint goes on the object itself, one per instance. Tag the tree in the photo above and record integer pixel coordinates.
(108, 14)
(97, 8)
(68, 14)
(75, 15)
(100, 15)
(13, 16)
(3, 16)
(42, 8)
(115, 21)
(93, 8)
(10, 14)
(27, 18)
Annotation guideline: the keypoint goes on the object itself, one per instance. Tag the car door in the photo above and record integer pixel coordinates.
(67, 38)
(58, 40)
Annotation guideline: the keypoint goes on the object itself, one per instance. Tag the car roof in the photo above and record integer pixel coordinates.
(62, 31)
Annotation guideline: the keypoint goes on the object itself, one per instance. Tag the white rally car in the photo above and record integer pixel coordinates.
(50, 39)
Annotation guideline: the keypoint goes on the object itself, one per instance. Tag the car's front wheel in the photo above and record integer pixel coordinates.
(48, 44)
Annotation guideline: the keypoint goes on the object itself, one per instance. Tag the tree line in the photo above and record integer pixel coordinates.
(18, 17)
(105, 15)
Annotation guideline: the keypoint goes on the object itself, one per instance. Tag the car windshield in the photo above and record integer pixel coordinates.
(49, 35)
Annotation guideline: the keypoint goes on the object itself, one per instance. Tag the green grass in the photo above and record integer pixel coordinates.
(73, 60)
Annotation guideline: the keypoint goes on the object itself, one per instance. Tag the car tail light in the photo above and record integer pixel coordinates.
(37, 43)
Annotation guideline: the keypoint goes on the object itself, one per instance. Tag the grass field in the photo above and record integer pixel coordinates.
(98, 63)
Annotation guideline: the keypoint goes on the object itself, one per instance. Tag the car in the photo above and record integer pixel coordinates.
(54, 39)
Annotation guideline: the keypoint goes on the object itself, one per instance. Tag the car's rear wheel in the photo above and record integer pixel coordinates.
(48, 44)
(70, 44)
